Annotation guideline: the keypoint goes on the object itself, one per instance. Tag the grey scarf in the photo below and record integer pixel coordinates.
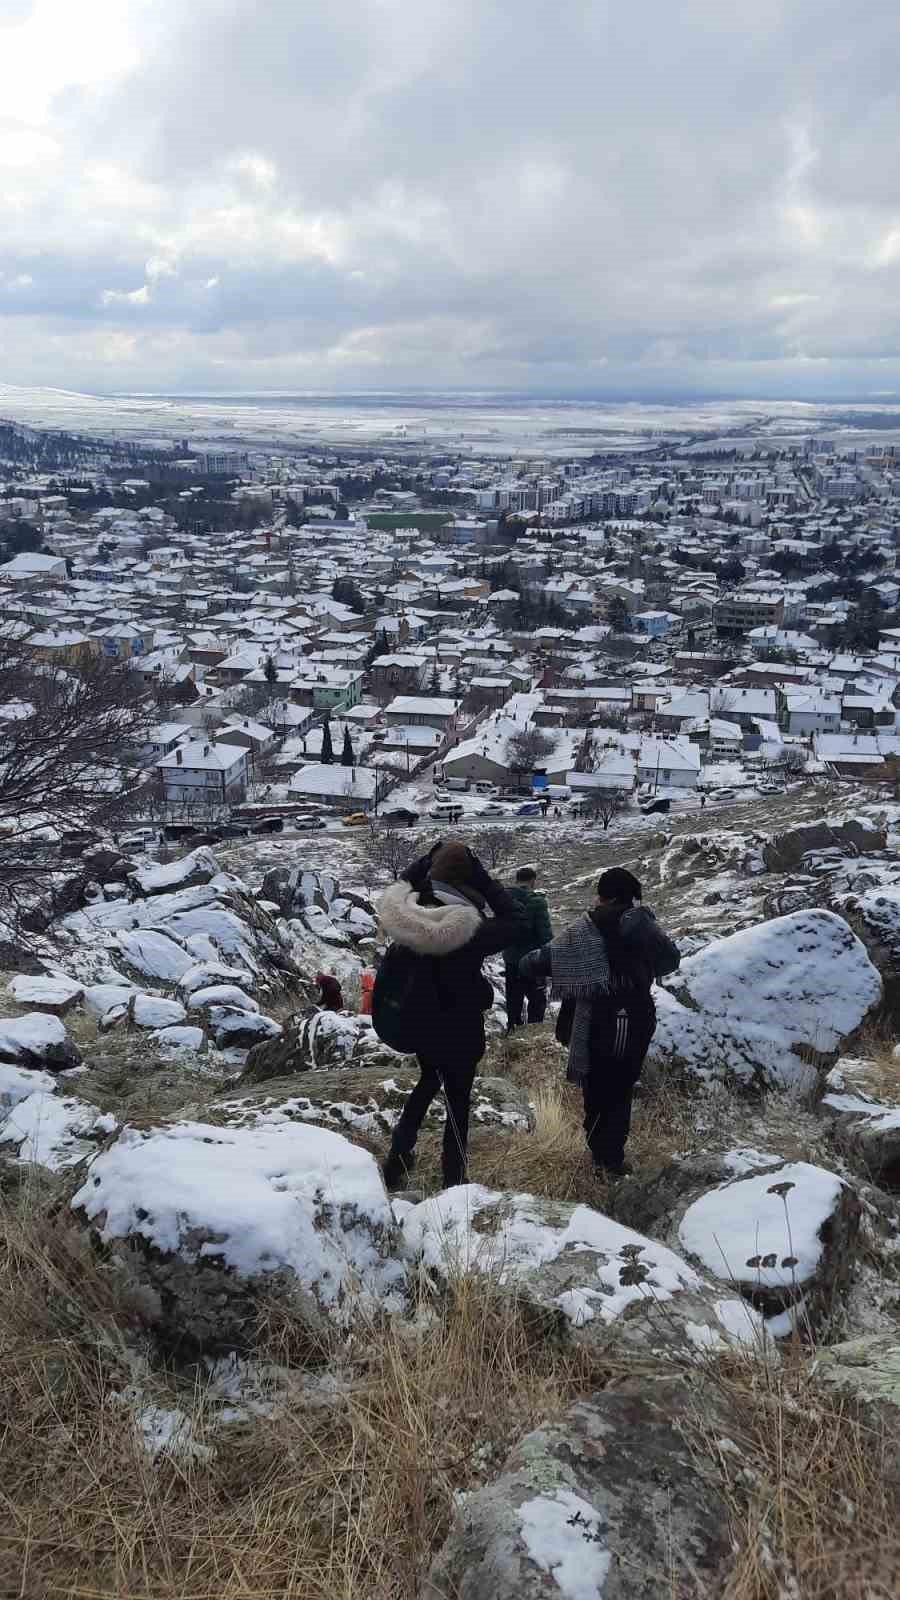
(579, 966)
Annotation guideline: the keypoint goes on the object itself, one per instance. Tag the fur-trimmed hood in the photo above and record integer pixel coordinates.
(428, 930)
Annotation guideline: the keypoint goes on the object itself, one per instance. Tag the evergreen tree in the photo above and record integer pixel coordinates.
(327, 755)
(348, 759)
(271, 672)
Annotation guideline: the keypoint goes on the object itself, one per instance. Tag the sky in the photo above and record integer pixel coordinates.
(541, 195)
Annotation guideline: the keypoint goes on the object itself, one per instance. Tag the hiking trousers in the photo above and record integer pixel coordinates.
(456, 1082)
(520, 991)
(619, 1041)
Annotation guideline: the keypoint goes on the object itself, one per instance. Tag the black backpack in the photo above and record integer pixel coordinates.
(405, 999)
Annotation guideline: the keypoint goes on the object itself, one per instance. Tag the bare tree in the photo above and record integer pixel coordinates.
(605, 804)
(496, 846)
(70, 741)
(389, 849)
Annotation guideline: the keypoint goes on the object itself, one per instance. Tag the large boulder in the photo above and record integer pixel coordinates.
(784, 1238)
(211, 1219)
(585, 1275)
(47, 993)
(766, 1006)
(187, 873)
(241, 1030)
(17, 1083)
(853, 837)
(38, 1040)
(363, 1101)
(608, 1500)
(153, 1011)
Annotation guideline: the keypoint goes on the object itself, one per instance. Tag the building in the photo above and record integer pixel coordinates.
(738, 613)
(200, 773)
(32, 570)
(327, 688)
(428, 711)
(344, 788)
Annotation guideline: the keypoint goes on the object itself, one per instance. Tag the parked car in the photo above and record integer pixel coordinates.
(309, 824)
(493, 809)
(485, 788)
(401, 816)
(652, 808)
(530, 808)
(355, 819)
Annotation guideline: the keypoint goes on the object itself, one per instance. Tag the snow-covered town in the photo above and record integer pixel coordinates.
(242, 691)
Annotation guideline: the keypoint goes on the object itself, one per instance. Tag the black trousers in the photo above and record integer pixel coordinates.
(518, 991)
(456, 1082)
(620, 1040)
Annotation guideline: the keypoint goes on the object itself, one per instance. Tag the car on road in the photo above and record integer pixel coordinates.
(531, 808)
(309, 824)
(355, 819)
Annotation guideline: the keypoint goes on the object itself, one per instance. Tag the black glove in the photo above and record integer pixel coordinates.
(418, 870)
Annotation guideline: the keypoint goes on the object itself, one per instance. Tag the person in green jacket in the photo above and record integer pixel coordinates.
(533, 932)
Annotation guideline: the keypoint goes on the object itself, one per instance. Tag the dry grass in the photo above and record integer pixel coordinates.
(881, 1076)
(812, 1485)
(321, 1501)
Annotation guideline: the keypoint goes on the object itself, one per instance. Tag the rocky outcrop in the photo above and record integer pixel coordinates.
(852, 837)
(208, 1220)
(580, 1273)
(608, 1501)
(292, 889)
(188, 872)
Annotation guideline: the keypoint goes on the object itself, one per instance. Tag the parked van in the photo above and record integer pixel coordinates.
(446, 811)
(490, 790)
(456, 783)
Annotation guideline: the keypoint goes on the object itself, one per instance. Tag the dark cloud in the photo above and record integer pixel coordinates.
(403, 191)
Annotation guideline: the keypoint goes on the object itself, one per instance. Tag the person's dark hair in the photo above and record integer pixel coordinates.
(525, 875)
(619, 884)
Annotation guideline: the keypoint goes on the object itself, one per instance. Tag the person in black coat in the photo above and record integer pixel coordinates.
(603, 968)
(451, 914)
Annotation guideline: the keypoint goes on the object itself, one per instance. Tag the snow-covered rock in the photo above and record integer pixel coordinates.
(364, 1101)
(99, 998)
(17, 1083)
(584, 1270)
(867, 1368)
(53, 1131)
(37, 1040)
(240, 1030)
(319, 1039)
(292, 889)
(848, 837)
(319, 923)
(178, 1039)
(47, 993)
(221, 994)
(606, 1502)
(761, 1005)
(152, 1011)
(191, 870)
(863, 1126)
(153, 954)
(210, 1217)
(784, 1238)
(205, 975)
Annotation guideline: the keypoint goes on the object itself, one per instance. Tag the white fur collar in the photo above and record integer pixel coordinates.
(428, 930)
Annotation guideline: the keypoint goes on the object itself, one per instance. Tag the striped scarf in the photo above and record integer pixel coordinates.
(579, 966)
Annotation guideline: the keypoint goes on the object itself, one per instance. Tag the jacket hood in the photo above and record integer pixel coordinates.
(428, 930)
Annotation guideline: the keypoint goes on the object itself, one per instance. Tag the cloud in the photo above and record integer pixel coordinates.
(399, 192)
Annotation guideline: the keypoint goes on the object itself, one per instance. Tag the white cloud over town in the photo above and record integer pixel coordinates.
(557, 194)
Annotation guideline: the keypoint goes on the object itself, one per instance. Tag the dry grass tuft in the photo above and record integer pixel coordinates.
(812, 1485)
